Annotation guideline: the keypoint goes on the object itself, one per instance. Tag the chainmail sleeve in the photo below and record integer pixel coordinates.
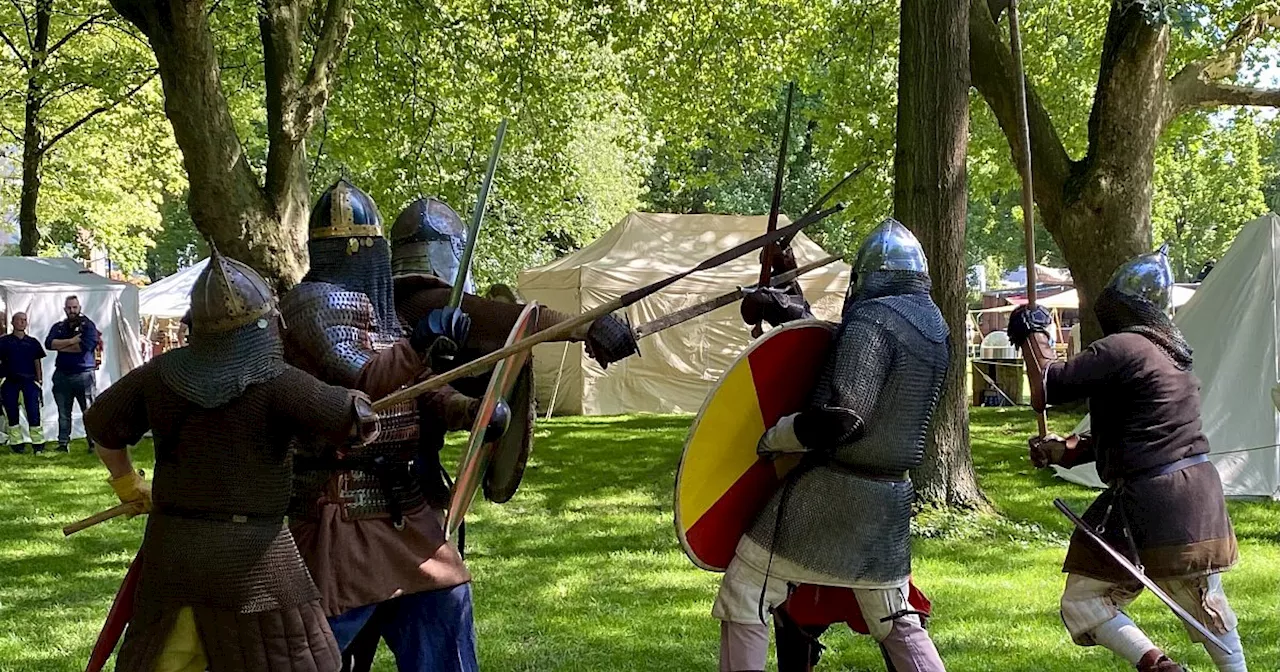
(118, 417)
(314, 408)
(849, 388)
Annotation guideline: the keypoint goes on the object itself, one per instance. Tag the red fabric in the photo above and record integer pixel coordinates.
(119, 616)
(812, 605)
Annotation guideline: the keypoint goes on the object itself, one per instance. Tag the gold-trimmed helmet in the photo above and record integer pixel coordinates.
(345, 211)
(228, 295)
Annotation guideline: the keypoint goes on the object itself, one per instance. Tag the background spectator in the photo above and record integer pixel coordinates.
(21, 360)
(75, 339)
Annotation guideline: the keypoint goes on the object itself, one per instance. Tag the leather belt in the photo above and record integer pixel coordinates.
(220, 517)
(1162, 470)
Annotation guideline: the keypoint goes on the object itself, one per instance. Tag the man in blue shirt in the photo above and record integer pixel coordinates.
(75, 339)
(21, 360)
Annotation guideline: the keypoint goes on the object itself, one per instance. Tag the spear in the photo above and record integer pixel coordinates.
(775, 204)
(1024, 168)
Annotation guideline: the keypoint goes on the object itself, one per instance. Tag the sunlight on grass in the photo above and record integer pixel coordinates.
(582, 571)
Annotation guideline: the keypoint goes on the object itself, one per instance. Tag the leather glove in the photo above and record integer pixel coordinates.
(450, 323)
(1048, 450)
(498, 422)
(773, 305)
(780, 259)
(610, 339)
(1024, 322)
(132, 488)
(780, 440)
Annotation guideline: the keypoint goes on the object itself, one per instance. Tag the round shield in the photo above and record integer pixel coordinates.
(722, 484)
(475, 461)
(511, 452)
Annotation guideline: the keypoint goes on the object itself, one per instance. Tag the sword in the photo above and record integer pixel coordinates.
(1137, 573)
(775, 203)
(563, 329)
(477, 216)
(101, 517)
(686, 314)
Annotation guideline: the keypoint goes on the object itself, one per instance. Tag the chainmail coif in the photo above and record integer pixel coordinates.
(1119, 312)
(367, 270)
(215, 368)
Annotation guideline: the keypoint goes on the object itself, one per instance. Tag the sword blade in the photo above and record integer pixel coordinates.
(686, 314)
(1141, 576)
(477, 216)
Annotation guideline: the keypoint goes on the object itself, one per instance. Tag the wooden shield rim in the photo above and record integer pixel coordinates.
(526, 435)
(477, 450)
(697, 422)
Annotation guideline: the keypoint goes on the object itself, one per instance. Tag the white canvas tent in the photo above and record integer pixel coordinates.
(170, 297)
(677, 367)
(1232, 325)
(39, 286)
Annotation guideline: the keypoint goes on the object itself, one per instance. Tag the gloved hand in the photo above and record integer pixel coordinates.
(1048, 450)
(780, 440)
(1024, 322)
(773, 305)
(610, 339)
(780, 259)
(132, 488)
(450, 323)
(498, 422)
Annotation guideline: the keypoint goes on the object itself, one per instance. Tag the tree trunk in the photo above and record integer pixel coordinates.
(226, 203)
(1097, 209)
(32, 140)
(929, 197)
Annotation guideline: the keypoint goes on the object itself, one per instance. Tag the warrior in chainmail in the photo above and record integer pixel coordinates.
(842, 518)
(221, 584)
(427, 243)
(1164, 506)
(363, 524)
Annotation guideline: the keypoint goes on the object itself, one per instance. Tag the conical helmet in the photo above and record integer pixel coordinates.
(344, 211)
(429, 237)
(228, 295)
(1148, 277)
(890, 247)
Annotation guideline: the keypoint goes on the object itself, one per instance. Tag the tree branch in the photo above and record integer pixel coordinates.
(313, 95)
(26, 21)
(16, 138)
(93, 113)
(1202, 84)
(992, 72)
(74, 31)
(17, 54)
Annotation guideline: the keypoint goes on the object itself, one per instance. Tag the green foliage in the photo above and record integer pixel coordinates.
(1208, 185)
(102, 179)
(582, 570)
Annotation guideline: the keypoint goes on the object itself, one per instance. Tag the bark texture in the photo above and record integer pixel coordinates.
(1098, 208)
(32, 138)
(929, 197)
(262, 225)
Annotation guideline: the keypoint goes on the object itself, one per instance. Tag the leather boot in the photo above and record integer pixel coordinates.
(797, 646)
(1155, 661)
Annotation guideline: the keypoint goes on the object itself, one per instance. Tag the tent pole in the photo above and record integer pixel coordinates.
(555, 390)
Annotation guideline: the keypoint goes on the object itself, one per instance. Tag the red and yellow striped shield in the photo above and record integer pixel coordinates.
(722, 484)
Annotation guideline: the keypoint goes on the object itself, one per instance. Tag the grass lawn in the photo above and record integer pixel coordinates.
(582, 571)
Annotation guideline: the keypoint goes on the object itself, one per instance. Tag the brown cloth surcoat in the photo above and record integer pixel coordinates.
(340, 519)
(1145, 413)
(255, 605)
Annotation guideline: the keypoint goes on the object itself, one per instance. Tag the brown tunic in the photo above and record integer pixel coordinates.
(255, 605)
(1145, 413)
(491, 321)
(357, 562)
